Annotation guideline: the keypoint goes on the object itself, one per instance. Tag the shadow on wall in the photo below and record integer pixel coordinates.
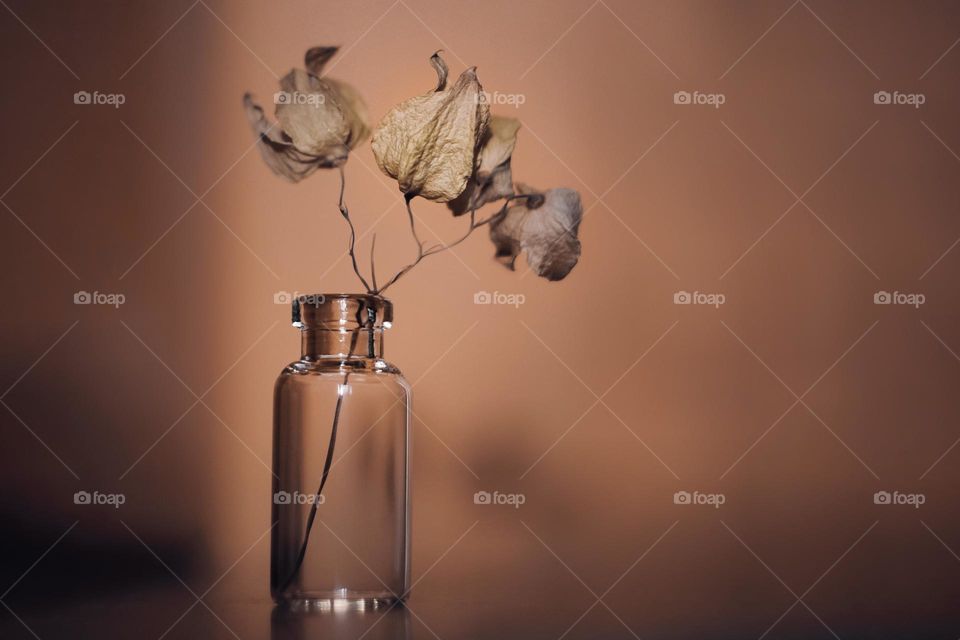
(88, 409)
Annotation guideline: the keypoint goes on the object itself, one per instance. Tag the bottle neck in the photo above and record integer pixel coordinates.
(361, 343)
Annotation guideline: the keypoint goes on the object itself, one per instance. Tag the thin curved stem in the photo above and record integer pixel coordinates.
(353, 233)
(435, 249)
(373, 265)
(420, 251)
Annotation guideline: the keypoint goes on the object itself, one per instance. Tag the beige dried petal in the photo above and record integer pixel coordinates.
(312, 118)
(279, 154)
(354, 111)
(546, 227)
(428, 143)
(492, 179)
(320, 120)
(351, 103)
(498, 144)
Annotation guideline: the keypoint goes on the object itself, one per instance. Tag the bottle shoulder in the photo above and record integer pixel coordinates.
(337, 367)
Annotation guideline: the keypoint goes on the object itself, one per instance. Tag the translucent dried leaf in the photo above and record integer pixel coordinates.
(546, 227)
(320, 120)
(278, 153)
(498, 144)
(428, 143)
(492, 179)
(349, 100)
(312, 118)
(354, 109)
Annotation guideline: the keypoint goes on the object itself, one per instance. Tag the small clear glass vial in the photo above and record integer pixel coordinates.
(341, 461)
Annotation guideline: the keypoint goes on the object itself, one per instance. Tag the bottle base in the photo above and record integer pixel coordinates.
(341, 600)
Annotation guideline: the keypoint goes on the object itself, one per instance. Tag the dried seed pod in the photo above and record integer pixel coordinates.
(429, 143)
(545, 225)
(320, 120)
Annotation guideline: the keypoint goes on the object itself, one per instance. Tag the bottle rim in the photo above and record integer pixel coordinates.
(341, 311)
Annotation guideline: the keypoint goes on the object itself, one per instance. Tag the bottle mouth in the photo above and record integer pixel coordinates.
(341, 311)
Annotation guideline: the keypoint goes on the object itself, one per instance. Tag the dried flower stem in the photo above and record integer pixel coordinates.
(424, 252)
(353, 233)
(420, 252)
(373, 266)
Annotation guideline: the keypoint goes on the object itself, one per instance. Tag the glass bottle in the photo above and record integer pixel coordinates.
(341, 460)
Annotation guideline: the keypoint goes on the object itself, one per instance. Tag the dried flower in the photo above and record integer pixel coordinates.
(320, 119)
(428, 143)
(545, 225)
(492, 179)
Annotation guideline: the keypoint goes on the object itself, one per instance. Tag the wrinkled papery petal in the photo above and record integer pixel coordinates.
(280, 155)
(492, 179)
(498, 145)
(354, 109)
(320, 120)
(428, 143)
(349, 100)
(312, 118)
(546, 227)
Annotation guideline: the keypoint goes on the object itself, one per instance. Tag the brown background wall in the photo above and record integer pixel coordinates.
(797, 399)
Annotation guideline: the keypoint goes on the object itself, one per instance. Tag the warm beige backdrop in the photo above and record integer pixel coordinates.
(797, 199)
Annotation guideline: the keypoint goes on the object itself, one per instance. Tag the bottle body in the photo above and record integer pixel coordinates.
(341, 458)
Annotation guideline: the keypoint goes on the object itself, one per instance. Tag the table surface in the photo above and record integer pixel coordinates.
(173, 613)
